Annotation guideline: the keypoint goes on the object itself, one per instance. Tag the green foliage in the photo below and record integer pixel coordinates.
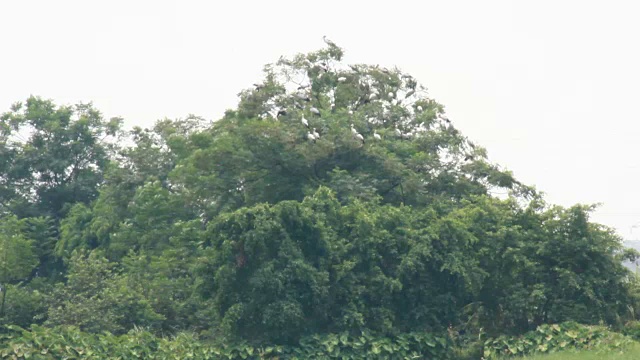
(397, 269)
(97, 299)
(630, 353)
(256, 156)
(168, 283)
(137, 205)
(24, 305)
(17, 253)
(293, 268)
(70, 343)
(244, 231)
(556, 337)
(547, 266)
(632, 329)
(75, 231)
(55, 155)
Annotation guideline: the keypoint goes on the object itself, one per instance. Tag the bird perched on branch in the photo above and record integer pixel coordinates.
(353, 130)
(328, 42)
(311, 137)
(304, 97)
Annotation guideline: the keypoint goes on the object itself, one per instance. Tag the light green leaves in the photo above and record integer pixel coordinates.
(18, 257)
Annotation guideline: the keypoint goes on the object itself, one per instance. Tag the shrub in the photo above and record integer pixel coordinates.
(551, 338)
(23, 306)
(71, 343)
(632, 329)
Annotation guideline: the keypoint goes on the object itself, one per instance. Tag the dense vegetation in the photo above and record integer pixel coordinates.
(557, 337)
(249, 231)
(631, 353)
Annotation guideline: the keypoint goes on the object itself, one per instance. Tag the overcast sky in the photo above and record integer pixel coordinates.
(550, 88)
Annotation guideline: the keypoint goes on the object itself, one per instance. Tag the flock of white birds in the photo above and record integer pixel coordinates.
(407, 93)
(386, 102)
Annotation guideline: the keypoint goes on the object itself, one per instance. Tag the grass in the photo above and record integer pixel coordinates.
(631, 353)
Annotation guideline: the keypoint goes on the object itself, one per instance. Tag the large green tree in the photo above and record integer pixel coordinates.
(260, 151)
(52, 156)
(137, 203)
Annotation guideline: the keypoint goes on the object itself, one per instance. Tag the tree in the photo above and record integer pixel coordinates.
(278, 272)
(96, 298)
(17, 255)
(137, 202)
(53, 156)
(259, 152)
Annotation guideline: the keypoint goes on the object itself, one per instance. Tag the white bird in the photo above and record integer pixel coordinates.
(353, 130)
(342, 79)
(359, 137)
(350, 112)
(311, 137)
(391, 94)
(315, 111)
(398, 132)
(329, 42)
(419, 108)
(377, 136)
(372, 96)
(315, 134)
(305, 122)
(303, 96)
(409, 93)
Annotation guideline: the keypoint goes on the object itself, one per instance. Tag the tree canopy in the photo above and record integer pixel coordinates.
(334, 198)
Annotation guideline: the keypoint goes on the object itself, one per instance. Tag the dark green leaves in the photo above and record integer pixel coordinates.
(52, 156)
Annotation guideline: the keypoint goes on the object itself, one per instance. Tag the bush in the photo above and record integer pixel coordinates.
(71, 343)
(23, 306)
(95, 298)
(632, 329)
(551, 338)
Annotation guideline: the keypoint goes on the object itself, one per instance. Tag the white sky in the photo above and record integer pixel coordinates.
(550, 88)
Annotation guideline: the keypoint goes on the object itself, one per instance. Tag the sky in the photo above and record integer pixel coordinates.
(549, 88)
